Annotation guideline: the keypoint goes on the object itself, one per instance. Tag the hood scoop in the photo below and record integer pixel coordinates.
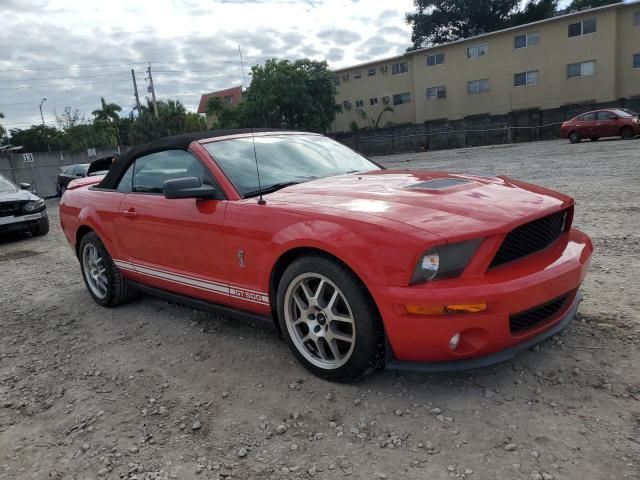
(438, 184)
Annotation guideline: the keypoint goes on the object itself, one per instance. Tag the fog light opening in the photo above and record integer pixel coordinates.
(454, 342)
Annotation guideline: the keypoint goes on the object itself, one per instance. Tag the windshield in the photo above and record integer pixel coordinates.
(284, 160)
(6, 186)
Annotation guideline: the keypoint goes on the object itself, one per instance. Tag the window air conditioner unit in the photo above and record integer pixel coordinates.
(385, 99)
(384, 69)
(345, 77)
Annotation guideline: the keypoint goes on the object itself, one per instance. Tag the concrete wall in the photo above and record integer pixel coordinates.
(42, 172)
(611, 47)
(515, 127)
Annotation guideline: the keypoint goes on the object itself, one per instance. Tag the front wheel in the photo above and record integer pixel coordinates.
(627, 133)
(42, 227)
(102, 278)
(329, 320)
(575, 137)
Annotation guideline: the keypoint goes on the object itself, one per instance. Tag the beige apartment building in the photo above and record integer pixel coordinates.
(584, 57)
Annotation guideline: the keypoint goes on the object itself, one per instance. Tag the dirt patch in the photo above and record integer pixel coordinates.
(153, 390)
(18, 254)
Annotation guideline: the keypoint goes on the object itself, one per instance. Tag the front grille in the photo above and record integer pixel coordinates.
(9, 209)
(530, 238)
(531, 318)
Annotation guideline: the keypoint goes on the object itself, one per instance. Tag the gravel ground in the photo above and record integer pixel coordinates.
(153, 390)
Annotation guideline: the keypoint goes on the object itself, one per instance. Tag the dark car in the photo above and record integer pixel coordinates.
(70, 172)
(602, 123)
(21, 210)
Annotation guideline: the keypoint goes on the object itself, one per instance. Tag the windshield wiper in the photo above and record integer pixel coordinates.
(270, 189)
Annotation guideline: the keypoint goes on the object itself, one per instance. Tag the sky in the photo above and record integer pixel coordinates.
(72, 52)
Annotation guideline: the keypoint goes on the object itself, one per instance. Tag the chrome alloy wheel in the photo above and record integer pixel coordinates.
(95, 271)
(319, 321)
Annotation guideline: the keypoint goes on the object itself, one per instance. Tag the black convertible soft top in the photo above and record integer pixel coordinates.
(177, 142)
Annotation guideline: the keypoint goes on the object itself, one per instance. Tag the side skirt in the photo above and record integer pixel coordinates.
(264, 321)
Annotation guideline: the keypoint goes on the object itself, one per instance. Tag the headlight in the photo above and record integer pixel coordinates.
(34, 206)
(445, 261)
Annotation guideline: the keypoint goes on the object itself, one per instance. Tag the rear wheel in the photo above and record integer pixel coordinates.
(329, 320)
(627, 133)
(574, 137)
(102, 278)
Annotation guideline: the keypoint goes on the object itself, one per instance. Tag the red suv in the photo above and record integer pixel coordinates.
(602, 123)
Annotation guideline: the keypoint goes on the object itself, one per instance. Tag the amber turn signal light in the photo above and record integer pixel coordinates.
(468, 308)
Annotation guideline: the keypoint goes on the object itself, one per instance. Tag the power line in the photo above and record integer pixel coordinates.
(61, 85)
(70, 68)
(63, 78)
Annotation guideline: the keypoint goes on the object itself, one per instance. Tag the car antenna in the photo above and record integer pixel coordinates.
(261, 201)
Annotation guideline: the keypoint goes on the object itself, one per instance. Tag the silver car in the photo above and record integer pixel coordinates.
(20, 210)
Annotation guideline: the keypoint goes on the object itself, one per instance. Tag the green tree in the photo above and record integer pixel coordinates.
(373, 122)
(37, 138)
(297, 95)
(107, 113)
(173, 119)
(441, 21)
(86, 135)
(225, 115)
(584, 4)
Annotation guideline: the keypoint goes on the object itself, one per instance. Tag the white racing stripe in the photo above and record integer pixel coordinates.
(233, 291)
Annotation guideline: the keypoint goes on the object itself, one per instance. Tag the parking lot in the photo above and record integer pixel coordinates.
(155, 390)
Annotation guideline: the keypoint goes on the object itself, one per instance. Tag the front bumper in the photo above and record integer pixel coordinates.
(486, 337)
(21, 223)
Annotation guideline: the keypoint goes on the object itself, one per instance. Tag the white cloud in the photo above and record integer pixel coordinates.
(192, 44)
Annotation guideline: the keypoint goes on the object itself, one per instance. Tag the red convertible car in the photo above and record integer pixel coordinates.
(357, 266)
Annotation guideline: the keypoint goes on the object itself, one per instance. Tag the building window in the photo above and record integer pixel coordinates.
(359, 103)
(398, 68)
(436, 92)
(477, 51)
(336, 80)
(401, 98)
(523, 79)
(357, 75)
(636, 60)
(478, 86)
(582, 69)
(584, 27)
(436, 59)
(371, 72)
(373, 101)
(526, 40)
(636, 19)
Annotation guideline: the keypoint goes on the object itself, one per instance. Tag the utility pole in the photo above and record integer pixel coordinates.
(153, 92)
(135, 91)
(41, 114)
(244, 80)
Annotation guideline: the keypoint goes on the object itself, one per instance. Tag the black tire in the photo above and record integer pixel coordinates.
(368, 353)
(118, 290)
(594, 139)
(58, 190)
(627, 133)
(42, 228)
(574, 137)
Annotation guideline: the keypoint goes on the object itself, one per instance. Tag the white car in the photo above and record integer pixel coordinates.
(20, 210)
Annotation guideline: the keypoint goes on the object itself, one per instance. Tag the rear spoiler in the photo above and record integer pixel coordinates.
(83, 182)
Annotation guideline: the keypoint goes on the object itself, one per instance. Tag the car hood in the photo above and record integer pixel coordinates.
(447, 205)
(19, 196)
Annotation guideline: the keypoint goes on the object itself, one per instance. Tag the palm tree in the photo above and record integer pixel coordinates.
(374, 124)
(108, 112)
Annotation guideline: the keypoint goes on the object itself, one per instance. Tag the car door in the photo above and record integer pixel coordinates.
(606, 124)
(586, 124)
(173, 244)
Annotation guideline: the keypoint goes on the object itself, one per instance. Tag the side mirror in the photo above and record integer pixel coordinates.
(189, 187)
(25, 186)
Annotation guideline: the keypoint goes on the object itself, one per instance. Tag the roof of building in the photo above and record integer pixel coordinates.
(233, 92)
(488, 34)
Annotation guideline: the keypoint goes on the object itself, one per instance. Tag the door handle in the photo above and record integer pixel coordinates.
(131, 213)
